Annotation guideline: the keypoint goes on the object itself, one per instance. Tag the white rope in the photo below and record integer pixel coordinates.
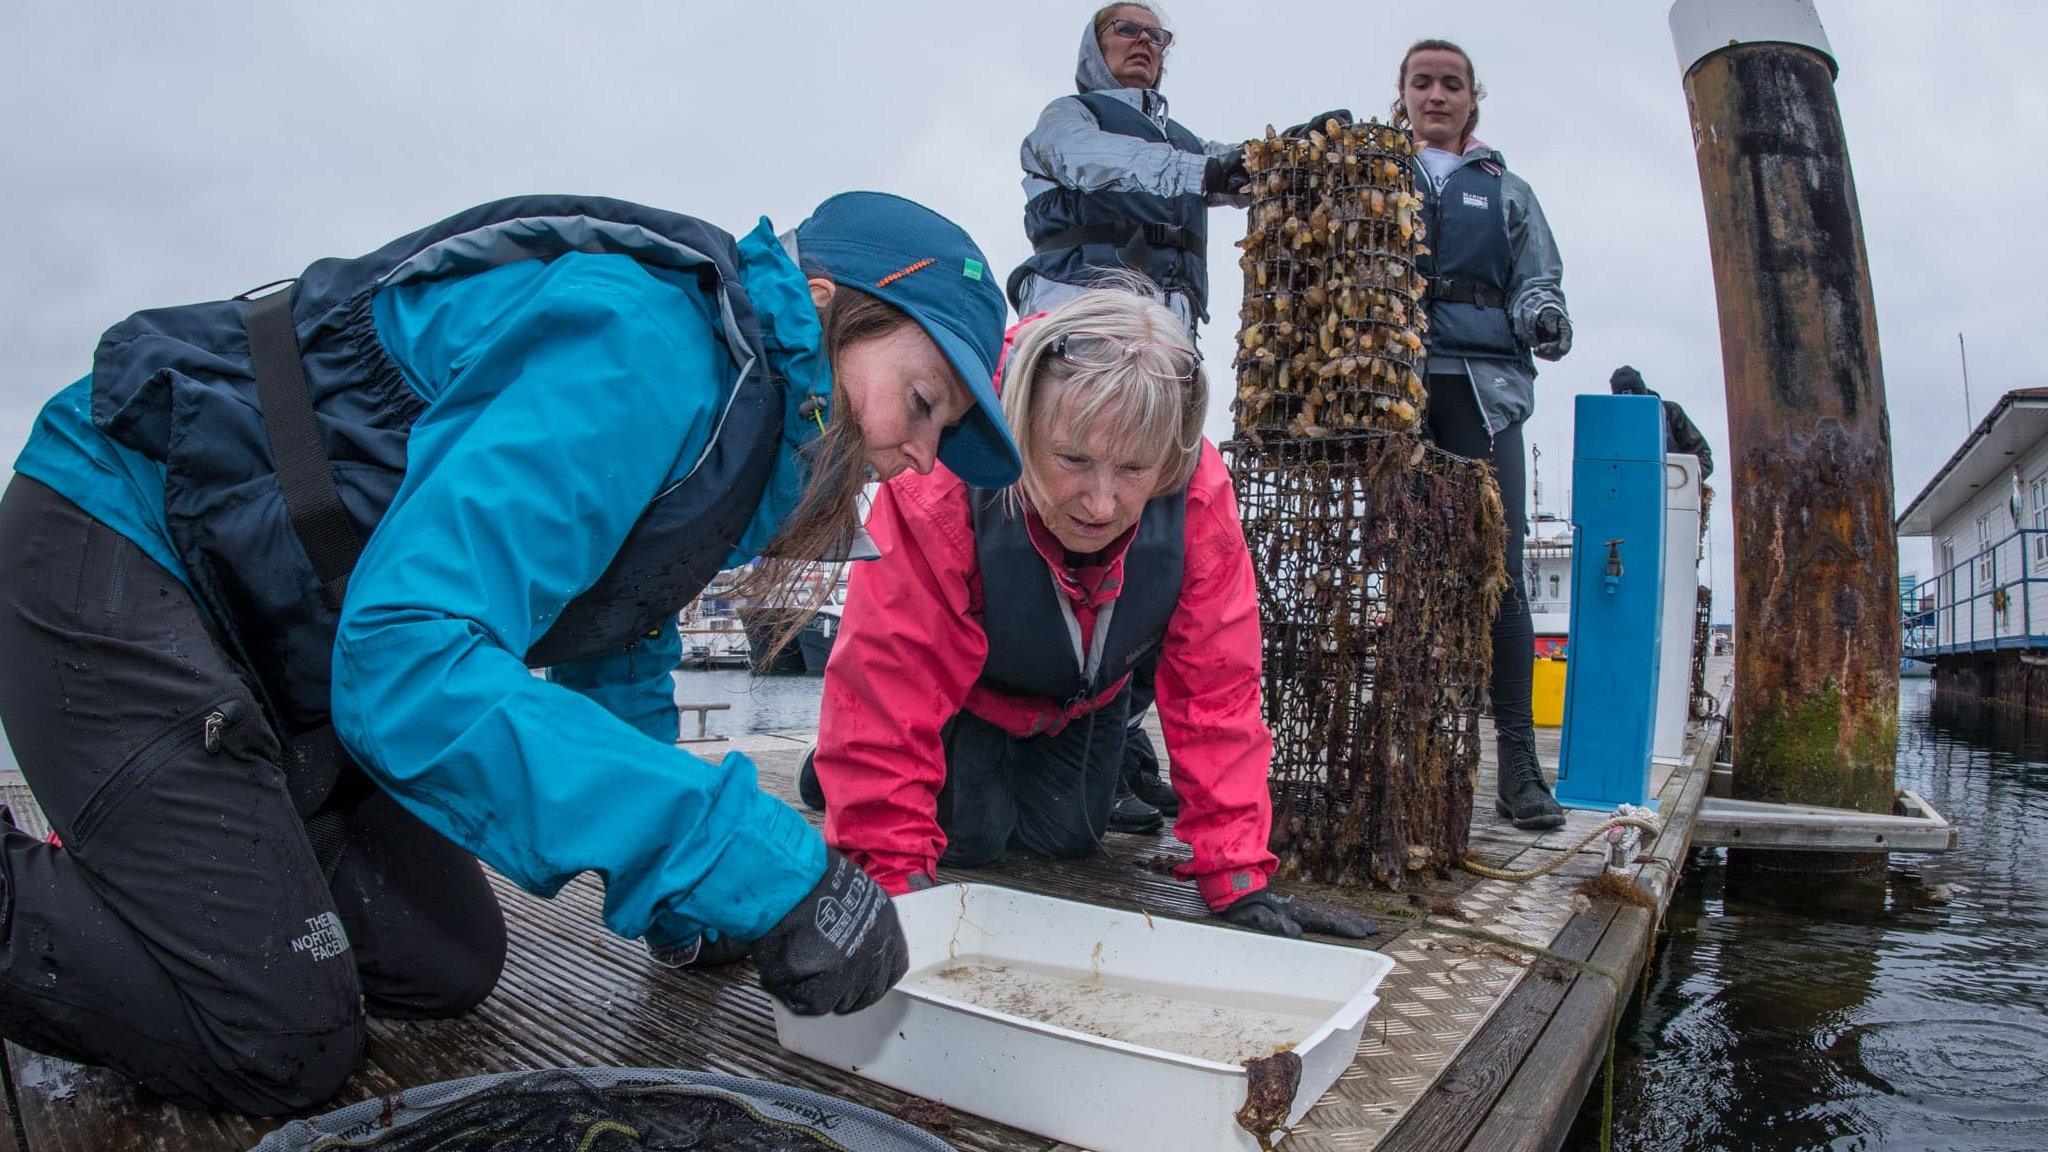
(1624, 830)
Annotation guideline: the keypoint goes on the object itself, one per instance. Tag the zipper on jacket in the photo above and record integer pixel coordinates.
(205, 726)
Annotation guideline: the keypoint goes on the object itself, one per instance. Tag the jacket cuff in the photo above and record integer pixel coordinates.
(1222, 889)
(894, 875)
(772, 861)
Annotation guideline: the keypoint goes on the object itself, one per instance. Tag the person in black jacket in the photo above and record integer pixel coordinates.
(1680, 433)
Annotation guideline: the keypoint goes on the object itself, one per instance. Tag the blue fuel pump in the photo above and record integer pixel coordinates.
(1610, 693)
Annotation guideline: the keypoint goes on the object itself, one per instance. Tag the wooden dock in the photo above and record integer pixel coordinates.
(1488, 1033)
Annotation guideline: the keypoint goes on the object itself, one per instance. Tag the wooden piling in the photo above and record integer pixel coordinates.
(1816, 602)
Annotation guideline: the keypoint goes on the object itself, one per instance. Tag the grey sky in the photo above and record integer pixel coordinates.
(153, 154)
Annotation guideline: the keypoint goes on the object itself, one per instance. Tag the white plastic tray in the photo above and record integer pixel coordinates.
(1110, 1030)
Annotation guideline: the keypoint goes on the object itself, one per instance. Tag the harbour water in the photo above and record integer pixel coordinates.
(759, 704)
(1907, 1012)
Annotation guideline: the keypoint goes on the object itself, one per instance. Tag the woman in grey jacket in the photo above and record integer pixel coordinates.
(1495, 302)
(1111, 181)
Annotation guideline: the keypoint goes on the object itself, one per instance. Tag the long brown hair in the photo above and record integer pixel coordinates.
(1397, 113)
(826, 519)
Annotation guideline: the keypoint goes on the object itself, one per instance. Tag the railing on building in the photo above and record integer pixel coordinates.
(1986, 602)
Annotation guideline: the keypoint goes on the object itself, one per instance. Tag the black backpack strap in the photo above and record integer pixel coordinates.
(325, 529)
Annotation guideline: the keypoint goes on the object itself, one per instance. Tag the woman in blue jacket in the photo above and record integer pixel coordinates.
(275, 573)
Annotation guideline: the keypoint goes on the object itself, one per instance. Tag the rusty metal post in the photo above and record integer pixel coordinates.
(1816, 561)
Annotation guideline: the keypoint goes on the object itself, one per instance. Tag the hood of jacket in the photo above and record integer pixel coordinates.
(1477, 151)
(1092, 74)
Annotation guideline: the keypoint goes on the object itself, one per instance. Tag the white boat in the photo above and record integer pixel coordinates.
(816, 638)
(1547, 575)
(713, 636)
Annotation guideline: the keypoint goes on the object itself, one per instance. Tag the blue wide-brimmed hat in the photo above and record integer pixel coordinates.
(927, 266)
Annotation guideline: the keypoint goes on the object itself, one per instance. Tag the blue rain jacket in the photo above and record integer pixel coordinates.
(559, 397)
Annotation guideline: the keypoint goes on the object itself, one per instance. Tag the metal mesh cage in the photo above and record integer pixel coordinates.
(1379, 568)
(1378, 555)
(1329, 329)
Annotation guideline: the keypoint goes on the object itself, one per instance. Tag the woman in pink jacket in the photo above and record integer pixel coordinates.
(979, 686)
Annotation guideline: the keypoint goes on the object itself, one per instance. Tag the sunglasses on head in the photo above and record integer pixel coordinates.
(1095, 350)
(1131, 30)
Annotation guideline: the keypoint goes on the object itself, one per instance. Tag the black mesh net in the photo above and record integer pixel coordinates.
(1329, 331)
(594, 1111)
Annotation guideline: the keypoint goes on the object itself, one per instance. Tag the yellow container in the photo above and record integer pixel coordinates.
(1547, 693)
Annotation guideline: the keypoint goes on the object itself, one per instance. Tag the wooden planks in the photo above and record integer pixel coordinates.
(1454, 1107)
(9, 1139)
(1552, 1041)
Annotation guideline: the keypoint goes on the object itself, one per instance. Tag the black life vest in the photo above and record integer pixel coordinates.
(1075, 233)
(1034, 639)
(1469, 265)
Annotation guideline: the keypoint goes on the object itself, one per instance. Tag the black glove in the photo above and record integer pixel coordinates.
(838, 950)
(1276, 915)
(1315, 123)
(1553, 333)
(1226, 173)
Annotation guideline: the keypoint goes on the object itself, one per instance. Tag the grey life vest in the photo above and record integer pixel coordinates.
(1035, 646)
(1469, 265)
(1075, 233)
(177, 385)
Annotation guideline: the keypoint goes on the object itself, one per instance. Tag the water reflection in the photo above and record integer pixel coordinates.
(1905, 1011)
(759, 703)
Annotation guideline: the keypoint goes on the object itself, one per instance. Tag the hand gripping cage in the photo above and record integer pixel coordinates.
(1378, 555)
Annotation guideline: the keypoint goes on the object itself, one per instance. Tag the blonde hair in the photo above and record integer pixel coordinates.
(1397, 113)
(1140, 397)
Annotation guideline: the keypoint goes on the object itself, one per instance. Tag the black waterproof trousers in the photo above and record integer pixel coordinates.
(1049, 795)
(1453, 421)
(1140, 758)
(185, 933)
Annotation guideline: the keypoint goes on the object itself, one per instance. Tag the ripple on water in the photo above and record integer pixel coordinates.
(1978, 1070)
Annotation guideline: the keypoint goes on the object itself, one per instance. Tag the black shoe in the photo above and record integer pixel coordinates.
(1156, 792)
(807, 786)
(1523, 798)
(1127, 813)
